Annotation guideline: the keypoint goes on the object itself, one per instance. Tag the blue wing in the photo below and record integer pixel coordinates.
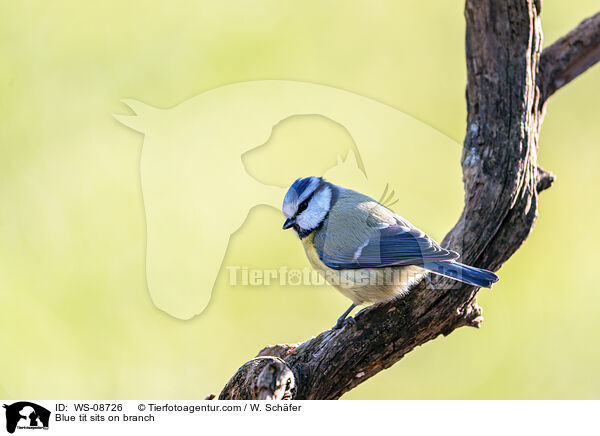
(395, 245)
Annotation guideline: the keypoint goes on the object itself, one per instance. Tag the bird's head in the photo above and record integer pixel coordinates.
(307, 204)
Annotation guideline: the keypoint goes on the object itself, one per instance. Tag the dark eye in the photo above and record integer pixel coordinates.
(302, 207)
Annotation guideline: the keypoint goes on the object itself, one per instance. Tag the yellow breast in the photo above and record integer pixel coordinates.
(364, 285)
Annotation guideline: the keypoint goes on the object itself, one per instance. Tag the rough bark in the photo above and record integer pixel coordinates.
(502, 182)
(570, 56)
(262, 378)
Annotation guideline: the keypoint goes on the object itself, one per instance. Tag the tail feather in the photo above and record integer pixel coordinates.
(463, 273)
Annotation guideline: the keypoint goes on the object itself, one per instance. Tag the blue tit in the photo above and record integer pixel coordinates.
(362, 248)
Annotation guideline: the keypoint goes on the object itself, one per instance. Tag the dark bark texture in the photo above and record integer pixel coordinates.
(508, 80)
(570, 56)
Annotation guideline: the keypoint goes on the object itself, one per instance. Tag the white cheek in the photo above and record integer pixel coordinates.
(312, 217)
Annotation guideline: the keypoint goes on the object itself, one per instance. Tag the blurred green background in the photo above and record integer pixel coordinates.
(77, 318)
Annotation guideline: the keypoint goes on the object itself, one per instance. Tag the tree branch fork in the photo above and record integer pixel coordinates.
(509, 80)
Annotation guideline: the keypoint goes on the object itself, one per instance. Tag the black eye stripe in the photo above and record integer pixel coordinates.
(302, 207)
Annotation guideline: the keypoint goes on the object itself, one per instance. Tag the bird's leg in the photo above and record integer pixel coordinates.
(342, 319)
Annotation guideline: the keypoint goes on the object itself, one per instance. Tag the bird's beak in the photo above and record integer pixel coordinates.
(288, 223)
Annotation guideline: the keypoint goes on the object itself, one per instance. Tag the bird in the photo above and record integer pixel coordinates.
(365, 250)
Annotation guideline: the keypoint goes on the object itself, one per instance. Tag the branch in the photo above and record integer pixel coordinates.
(570, 56)
(545, 179)
(502, 182)
(262, 378)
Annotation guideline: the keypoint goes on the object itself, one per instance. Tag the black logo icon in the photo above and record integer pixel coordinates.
(24, 414)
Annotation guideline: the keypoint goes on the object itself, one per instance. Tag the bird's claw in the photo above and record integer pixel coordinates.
(341, 322)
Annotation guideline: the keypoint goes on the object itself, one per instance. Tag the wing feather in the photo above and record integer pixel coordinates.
(394, 245)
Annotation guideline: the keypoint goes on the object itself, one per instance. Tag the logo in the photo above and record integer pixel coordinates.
(26, 415)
